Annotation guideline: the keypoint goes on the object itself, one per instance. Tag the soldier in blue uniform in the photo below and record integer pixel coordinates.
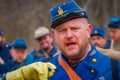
(114, 31)
(47, 49)
(69, 24)
(78, 59)
(20, 57)
(99, 38)
(4, 49)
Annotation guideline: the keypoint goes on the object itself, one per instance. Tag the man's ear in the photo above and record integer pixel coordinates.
(106, 38)
(11, 52)
(89, 29)
(26, 51)
(53, 33)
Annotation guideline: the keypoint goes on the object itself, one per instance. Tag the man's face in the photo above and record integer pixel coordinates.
(114, 33)
(45, 41)
(18, 55)
(98, 41)
(72, 37)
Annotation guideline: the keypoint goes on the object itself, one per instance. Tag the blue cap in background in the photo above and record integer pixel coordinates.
(98, 31)
(65, 12)
(19, 44)
(114, 22)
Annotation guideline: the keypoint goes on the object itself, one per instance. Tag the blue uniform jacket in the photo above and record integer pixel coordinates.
(43, 58)
(4, 52)
(101, 69)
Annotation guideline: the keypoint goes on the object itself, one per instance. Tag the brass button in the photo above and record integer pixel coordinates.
(94, 60)
(92, 71)
(82, 13)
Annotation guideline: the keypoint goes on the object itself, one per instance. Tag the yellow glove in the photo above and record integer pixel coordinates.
(35, 71)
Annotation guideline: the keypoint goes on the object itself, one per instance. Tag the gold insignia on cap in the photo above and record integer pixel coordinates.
(94, 60)
(82, 13)
(60, 11)
(96, 32)
(92, 71)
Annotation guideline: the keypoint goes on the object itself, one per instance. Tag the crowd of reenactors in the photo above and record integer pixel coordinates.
(90, 52)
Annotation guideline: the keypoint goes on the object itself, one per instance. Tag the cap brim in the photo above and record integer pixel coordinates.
(97, 35)
(42, 36)
(65, 19)
(12, 46)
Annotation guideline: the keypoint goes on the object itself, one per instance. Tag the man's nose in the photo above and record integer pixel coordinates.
(69, 33)
(42, 40)
(95, 41)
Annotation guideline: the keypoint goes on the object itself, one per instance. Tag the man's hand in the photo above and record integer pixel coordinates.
(35, 71)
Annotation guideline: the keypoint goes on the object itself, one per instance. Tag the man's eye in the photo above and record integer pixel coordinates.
(61, 30)
(75, 29)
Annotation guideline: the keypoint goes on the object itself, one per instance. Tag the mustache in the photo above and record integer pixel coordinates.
(71, 42)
